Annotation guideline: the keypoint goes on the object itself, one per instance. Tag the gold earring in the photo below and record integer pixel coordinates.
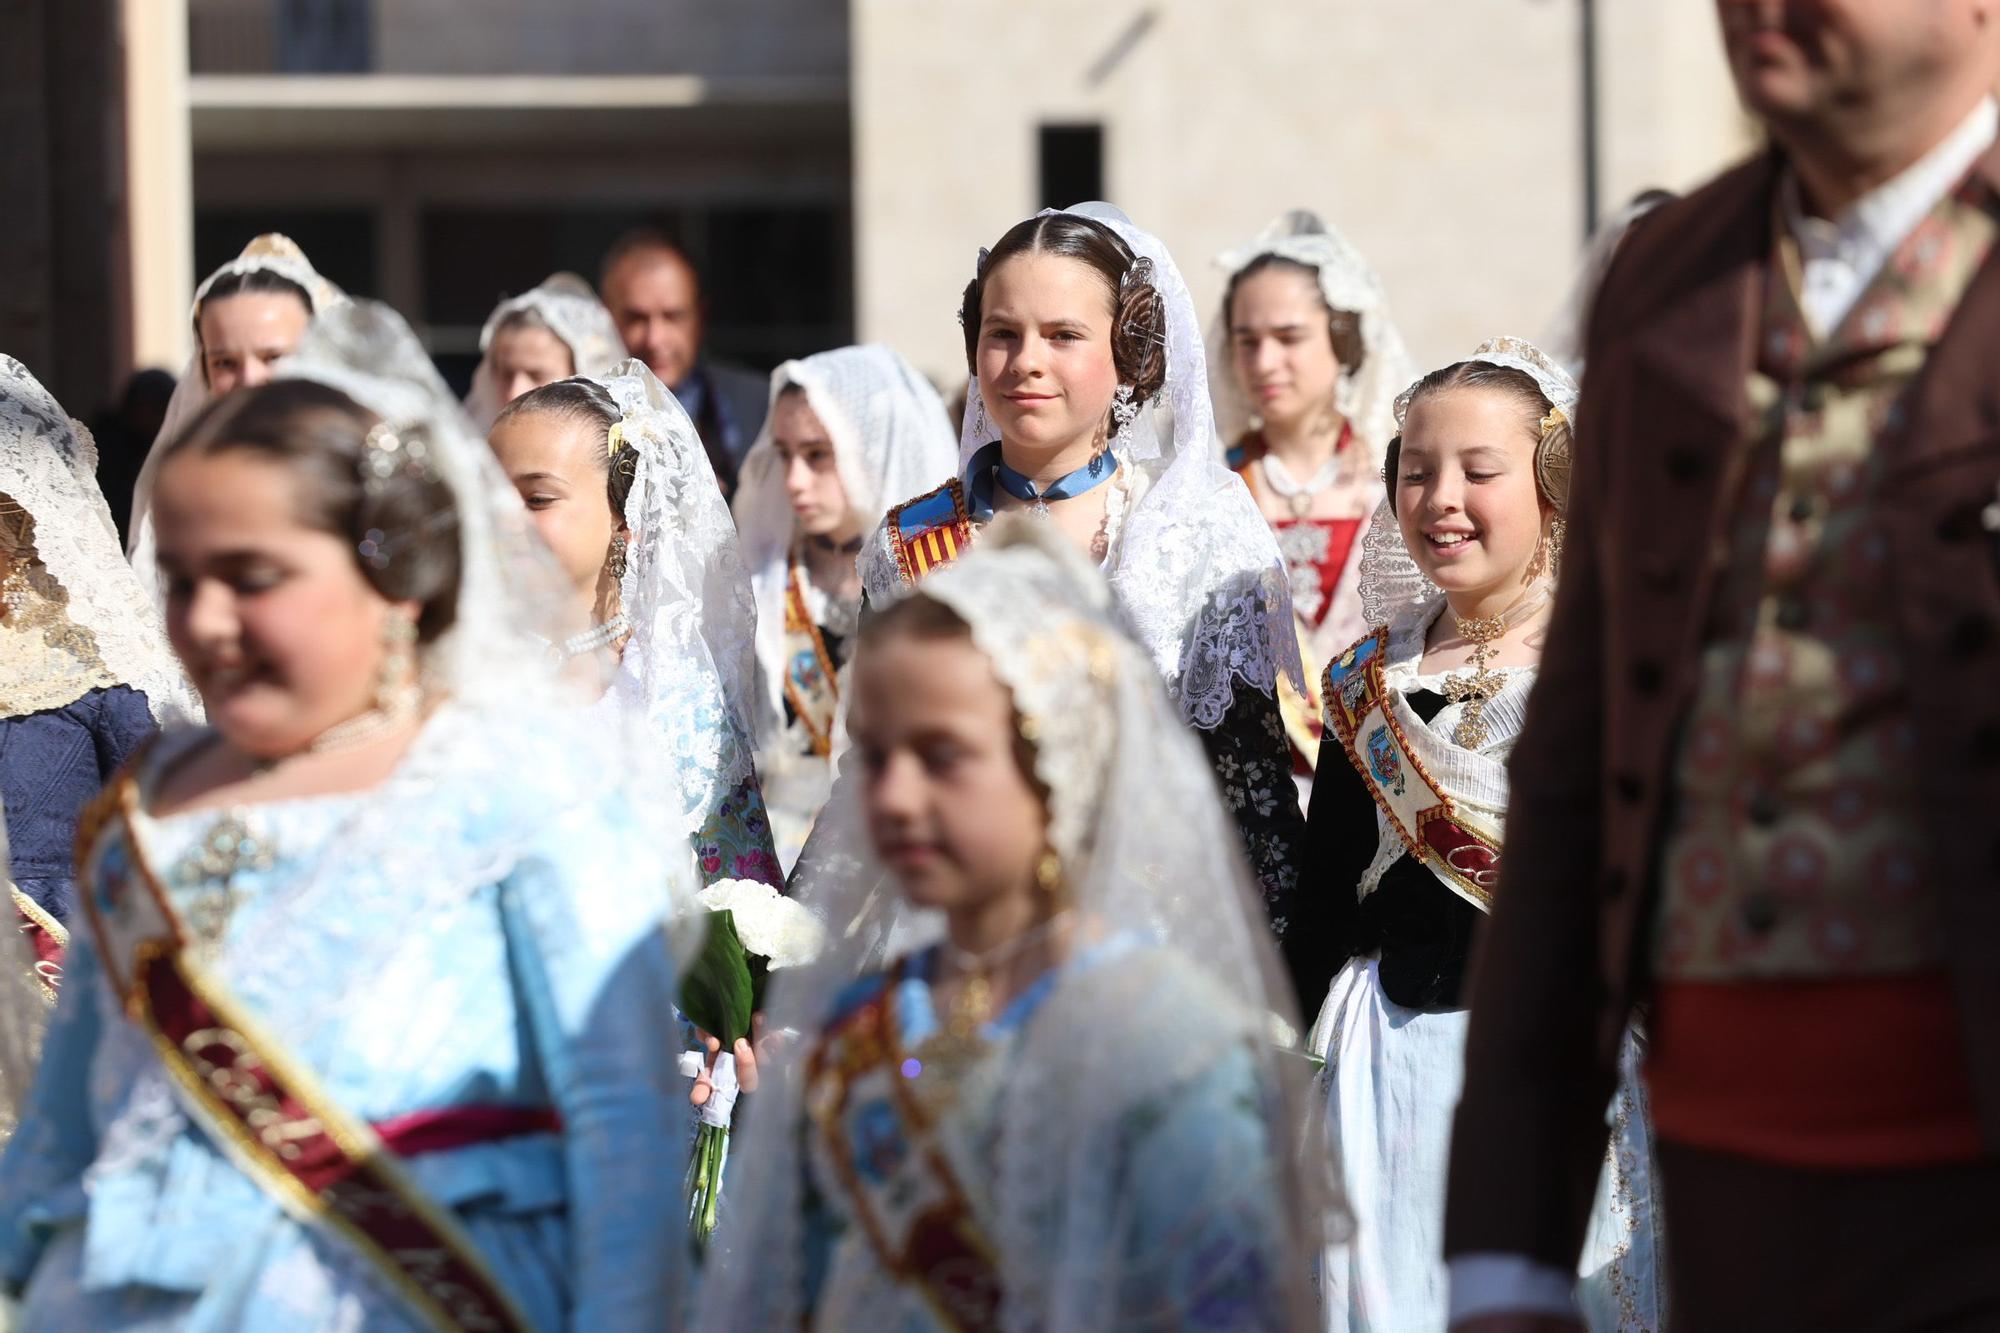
(615, 563)
(396, 688)
(1049, 871)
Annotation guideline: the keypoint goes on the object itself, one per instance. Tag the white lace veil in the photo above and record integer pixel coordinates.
(891, 439)
(1366, 398)
(269, 253)
(568, 305)
(48, 465)
(1149, 853)
(687, 669)
(1392, 585)
(1196, 569)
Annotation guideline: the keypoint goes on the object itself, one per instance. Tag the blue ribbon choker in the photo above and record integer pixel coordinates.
(987, 464)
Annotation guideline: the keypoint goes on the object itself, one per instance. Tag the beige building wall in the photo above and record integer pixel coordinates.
(1444, 138)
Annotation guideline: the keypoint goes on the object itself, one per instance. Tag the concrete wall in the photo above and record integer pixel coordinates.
(1443, 137)
(716, 38)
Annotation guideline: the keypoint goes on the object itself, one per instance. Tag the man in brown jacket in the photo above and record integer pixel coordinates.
(1758, 792)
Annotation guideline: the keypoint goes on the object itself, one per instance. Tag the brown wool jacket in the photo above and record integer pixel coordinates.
(1564, 958)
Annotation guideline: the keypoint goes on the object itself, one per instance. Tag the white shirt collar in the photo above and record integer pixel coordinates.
(1843, 253)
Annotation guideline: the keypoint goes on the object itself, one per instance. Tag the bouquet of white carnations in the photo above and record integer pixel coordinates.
(752, 931)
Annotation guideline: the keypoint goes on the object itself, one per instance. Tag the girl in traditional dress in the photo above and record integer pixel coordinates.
(848, 431)
(371, 1026)
(617, 482)
(1037, 1088)
(545, 334)
(1408, 818)
(1306, 365)
(1090, 410)
(85, 670)
(248, 315)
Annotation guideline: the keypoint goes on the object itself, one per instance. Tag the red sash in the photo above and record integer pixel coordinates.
(327, 1168)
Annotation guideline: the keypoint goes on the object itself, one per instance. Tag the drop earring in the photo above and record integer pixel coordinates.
(614, 561)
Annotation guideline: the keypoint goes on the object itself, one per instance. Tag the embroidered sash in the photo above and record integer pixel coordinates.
(914, 1213)
(48, 938)
(1462, 849)
(930, 531)
(812, 685)
(327, 1168)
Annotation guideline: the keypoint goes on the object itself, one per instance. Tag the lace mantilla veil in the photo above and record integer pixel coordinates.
(1150, 854)
(1392, 585)
(687, 669)
(48, 466)
(569, 306)
(1195, 569)
(1366, 398)
(891, 440)
(269, 253)
(507, 762)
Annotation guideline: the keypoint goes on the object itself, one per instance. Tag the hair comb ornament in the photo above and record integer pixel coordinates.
(390, 450)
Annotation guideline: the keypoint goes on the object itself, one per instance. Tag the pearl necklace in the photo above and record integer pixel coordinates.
(590, 640)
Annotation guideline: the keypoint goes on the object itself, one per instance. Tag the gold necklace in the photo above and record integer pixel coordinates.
(1478, 689)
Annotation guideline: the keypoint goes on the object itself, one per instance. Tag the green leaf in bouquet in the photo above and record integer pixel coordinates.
(760, 979)
(716, 993)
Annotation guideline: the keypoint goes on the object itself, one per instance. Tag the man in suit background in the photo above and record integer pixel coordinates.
(1757, 796)
(654, 293)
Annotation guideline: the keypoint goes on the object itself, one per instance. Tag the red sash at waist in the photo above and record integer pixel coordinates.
(451, 1127)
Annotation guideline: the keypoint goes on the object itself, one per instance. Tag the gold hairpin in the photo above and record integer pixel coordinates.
(1554, 418)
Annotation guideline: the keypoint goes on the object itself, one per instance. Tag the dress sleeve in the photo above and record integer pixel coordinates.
(41, 1173)
(1341, 837)
(1253, 767)
(598, 987)
(1207, 1246)
(123, 723)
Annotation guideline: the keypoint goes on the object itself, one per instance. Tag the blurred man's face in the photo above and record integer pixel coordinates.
(655, 299)
(1813, 62)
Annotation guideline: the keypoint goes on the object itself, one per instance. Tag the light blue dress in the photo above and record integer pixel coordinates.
(547, 985)
(1198, 1237)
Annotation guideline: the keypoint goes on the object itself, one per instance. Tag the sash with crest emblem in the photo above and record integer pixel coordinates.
(812, 680)
(1459, 846)
(930, 531)
(904, 1193)
(330, 1170)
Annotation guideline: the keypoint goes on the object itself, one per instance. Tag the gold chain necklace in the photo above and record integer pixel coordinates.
(1478, 689)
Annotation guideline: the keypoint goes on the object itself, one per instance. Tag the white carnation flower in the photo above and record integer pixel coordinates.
(770, 925)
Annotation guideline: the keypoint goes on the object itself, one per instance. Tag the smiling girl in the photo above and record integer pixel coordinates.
(371, 1024)
(1407, 829)
(1089, 411)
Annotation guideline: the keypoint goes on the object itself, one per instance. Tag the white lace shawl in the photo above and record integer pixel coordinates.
(1195, 568)
(568, 305)
(48, 466)
(1149, 853)
(688, 664)
(891, 438)
(269, 253)
(1366, 398)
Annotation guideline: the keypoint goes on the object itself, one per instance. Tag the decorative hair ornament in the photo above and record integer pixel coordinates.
(614, 440)
(1550, 420)
(390, 449)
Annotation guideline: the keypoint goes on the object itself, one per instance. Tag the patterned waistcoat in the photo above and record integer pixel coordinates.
(1796, 847)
